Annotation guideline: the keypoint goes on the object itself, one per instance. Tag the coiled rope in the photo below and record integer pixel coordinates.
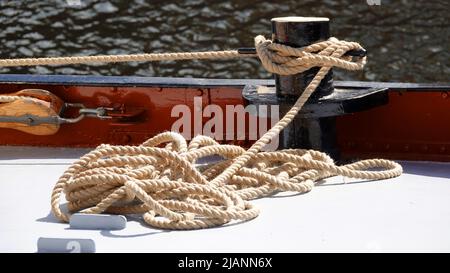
(159, 179)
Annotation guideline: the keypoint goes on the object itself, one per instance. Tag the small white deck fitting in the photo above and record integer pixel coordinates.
(66, 245)
(97, 221)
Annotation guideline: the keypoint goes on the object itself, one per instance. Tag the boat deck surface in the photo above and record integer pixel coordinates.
(408, 213)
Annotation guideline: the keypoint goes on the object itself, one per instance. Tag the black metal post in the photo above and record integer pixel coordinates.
(312, 133)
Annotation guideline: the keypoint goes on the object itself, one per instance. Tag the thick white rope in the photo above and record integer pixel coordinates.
(159, 179)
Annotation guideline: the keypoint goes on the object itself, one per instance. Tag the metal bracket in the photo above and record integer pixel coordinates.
(314, 127)
(340, 102)
(99, 112)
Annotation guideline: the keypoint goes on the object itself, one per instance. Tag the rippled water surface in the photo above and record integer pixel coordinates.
(407, 40)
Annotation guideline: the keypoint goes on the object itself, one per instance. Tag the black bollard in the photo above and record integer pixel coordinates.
(311, 133)
(315, 125)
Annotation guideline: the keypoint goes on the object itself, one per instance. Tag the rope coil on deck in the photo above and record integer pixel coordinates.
(159, 178)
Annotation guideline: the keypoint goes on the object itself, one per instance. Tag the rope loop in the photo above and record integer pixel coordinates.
(285, 60)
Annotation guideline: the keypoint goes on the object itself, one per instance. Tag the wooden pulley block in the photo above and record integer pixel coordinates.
(34, 111)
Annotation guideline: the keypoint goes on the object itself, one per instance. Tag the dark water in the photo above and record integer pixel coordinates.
(407, 40)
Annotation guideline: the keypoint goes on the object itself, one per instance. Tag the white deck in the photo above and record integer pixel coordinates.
(409, 213)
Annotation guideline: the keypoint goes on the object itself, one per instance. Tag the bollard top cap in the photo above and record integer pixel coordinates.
(299, 19)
